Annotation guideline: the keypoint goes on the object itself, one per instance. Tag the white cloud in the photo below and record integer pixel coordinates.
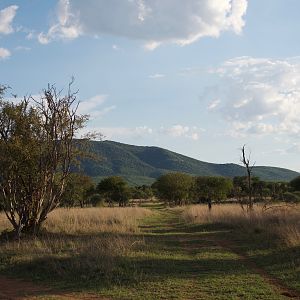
(157, 76)
(6, 18)
(179, 131)
(258, 95)
(94, 106)
(213, 104)
(122, 132)
(152, 21)
(22, 48)
(67, 26)
(4, 53)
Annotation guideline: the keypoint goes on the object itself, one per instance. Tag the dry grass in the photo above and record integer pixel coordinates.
(281, 221)
(93, 220)
(89, 220)
(81, 243)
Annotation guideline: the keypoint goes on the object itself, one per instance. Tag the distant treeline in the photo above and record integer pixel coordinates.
(177, 189)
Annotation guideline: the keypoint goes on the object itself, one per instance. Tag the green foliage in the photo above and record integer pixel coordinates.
(141, 192)
(97, 200)
(175, 188)
(277, 189)
(291, 197)
(295, 184)
(212, 188)
(78, 190)
(261, 190)
(114, 189)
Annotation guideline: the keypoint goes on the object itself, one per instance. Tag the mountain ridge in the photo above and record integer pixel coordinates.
(144, 164)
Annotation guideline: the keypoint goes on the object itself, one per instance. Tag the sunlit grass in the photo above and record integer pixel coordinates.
(75, 245)
(281, 221)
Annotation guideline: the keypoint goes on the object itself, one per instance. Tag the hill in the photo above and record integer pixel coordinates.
(142, 165)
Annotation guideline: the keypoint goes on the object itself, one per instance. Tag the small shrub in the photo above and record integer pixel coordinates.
(97, 200)
(291, 197)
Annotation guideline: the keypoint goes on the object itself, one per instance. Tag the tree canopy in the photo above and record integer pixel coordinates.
(295, 184)
(212, 188)
(174, 188)
(79, 188)
(36, 153)
(114, 189)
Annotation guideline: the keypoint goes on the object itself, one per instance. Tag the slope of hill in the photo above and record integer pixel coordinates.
(142, 165)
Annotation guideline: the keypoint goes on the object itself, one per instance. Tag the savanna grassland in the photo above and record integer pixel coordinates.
(154, 252)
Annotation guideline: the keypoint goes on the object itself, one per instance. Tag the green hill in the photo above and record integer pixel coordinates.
(142, 165)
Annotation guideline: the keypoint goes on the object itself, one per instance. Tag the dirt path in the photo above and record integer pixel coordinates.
(276, 284)
(186, 240)
(14, 289)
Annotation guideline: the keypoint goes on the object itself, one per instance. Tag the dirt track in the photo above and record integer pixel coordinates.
(13, 289)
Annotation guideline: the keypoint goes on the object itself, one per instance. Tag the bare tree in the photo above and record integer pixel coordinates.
(245, 159)
(37, 149)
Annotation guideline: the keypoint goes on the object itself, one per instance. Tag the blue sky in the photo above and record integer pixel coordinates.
(199, 77)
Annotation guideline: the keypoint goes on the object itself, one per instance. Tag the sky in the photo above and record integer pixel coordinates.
(198, 77)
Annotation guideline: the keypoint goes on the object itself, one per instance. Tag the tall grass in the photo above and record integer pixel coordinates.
(95, 220)
(282, 222)
(81, 244)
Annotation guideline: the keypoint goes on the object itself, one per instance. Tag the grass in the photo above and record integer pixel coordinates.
(271, 238)
(166, 255)
(76, 247)
(95, 220)
(278, 222)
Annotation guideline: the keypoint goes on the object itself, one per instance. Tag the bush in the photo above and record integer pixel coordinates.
(291, 197)
(96, 200)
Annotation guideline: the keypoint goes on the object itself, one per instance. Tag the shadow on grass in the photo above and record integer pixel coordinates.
(99, 271)
(82, 273)
(171, 253)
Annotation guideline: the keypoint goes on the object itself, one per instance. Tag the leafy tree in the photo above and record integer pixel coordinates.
(96, 200)
(210, 189)
(277, 190)
(79, 189)
(295, 184)
(291, 197)
(36, 149)
(175, 188)
(240, 188)
(114, 189)
(142, 192)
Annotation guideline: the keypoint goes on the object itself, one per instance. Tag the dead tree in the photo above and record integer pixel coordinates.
(249, 167)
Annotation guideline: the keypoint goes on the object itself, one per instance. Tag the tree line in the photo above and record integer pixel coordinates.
(179, 189)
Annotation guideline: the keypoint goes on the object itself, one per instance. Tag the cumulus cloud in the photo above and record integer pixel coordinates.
(138, 132)
(123, 132)
(4, 53)
(258, 95)
(179, 131)
(67, 26)
(6, 18)
(94, 106)
(152, 21)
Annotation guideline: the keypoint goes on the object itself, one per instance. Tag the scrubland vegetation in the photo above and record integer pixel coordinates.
(61, 228)
(76, 245)
(279, 222)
